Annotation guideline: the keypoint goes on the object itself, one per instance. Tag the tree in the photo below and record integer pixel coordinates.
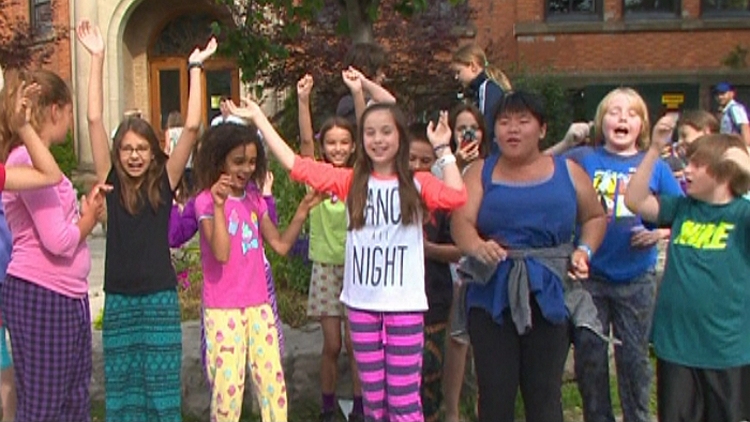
(309, 41)
(20, 47)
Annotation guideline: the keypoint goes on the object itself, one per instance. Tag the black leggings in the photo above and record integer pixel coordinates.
(506, 360)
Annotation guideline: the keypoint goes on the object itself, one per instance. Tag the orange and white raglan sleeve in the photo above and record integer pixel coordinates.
(322, 177)
(437, 195)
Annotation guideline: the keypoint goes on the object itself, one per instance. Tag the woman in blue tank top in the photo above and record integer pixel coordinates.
(521, 216)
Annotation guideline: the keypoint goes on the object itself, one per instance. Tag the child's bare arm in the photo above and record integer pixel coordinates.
(306, 133)
(92, 40)
(283, 242)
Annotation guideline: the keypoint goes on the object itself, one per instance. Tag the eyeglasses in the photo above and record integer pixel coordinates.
(141, 150)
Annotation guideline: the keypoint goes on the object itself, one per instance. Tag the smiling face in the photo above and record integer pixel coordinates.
(338, 146)
(381, 140)
(519, 133)
(239, 164)
(622, 123)
(135, 154)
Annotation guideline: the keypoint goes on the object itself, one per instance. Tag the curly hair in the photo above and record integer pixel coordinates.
(216, 143)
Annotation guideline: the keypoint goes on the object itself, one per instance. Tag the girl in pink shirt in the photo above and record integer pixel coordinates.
(237, 316)
(45, 294)
(384, 262)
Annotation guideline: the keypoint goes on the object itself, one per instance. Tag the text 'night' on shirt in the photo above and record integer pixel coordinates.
(384, 265)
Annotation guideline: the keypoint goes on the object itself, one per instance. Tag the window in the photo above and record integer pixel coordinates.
(573, 8)
(671, 7)
(41, 16)
(725, 7)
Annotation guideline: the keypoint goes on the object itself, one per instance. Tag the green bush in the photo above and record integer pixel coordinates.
(65, 155)
(557, 101)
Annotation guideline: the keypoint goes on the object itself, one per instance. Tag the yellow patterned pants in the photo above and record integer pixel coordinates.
(235, 337)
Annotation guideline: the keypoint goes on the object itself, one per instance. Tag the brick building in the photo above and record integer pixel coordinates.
(672, 51)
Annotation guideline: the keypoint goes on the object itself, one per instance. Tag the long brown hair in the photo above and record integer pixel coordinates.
(412, 205)
(132, 189)
(484, 146)
(472, 53)
(54, 91)
(335, 122)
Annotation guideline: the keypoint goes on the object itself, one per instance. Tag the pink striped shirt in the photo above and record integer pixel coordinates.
(47, 250)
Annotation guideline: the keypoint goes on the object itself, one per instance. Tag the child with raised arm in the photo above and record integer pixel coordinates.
(141, 333)
(384, 265)
(702, 314)
(327, 240)
(237, 316)
(45, 293)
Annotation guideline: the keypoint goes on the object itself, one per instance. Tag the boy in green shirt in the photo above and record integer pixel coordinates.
(701, 328)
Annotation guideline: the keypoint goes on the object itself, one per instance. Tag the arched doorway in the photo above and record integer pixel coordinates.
(168, 73)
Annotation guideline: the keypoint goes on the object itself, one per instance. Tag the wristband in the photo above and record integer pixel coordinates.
(584, 247)
(445, 160)
(440, 147)
(199, 65)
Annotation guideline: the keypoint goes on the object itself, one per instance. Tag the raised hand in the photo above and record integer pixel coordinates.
(199, 56)
(352, 79)
(738, 156)
(661, 136)
(24, 104)
(220, 190)
(440, 133)
(304, 87)
(467, 153)
(250, 110)
(577, 133)
(90, 37)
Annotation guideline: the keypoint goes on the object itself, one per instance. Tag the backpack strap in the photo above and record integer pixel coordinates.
(735, 127)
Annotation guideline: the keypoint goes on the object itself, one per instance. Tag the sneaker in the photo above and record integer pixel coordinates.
(329, 416)
(356, 417)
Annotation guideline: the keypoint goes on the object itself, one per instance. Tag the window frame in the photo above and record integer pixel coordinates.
(41, 28)
(596, 15)
(723, 13)
(653, 14)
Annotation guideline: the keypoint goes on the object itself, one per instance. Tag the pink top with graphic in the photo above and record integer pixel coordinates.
(47, 247)
(241, 282)
(384, 263)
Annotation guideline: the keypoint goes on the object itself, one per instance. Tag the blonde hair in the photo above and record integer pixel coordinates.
(637, 103)
(472, 53)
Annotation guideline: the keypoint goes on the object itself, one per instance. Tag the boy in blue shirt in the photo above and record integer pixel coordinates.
(700, 331)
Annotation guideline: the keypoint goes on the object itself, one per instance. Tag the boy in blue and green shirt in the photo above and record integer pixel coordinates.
(701, 328)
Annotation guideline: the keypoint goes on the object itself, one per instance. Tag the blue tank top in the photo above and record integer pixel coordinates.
(539, 214)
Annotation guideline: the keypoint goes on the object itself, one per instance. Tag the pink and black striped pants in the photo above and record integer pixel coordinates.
(388, 350)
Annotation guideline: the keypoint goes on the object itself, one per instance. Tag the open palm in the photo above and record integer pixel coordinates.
(199, 56)
(90, 36)
(440, 133)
